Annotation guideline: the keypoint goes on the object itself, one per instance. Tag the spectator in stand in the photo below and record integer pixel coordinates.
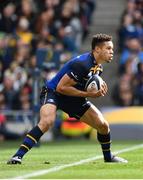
(122, 92)
(130, 8)
(64, 35)
(11, 96)
(18, 74)
(28, 9)
(126, 31)
(8, 18)
(45, 21)
(22, 31)
(7, 50)
(133, 51)
(22, 54)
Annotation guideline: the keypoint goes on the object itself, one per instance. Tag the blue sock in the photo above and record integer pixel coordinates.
(29, 141)
(105, 142)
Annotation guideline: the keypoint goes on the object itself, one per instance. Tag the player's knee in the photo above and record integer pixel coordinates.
(45, 123)
(103, 127)
(47, 119)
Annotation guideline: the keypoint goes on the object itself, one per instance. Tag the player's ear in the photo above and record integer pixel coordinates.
(97, 49)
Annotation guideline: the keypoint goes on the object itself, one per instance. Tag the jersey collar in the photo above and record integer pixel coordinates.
(93, 58)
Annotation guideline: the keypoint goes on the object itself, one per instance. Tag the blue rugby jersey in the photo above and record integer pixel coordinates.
(79, 68)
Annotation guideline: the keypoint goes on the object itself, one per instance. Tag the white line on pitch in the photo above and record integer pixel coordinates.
(58, 168)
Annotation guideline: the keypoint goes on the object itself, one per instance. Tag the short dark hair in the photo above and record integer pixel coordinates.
(100, 38)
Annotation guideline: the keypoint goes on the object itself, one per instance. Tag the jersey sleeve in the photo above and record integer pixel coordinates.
(77, 71)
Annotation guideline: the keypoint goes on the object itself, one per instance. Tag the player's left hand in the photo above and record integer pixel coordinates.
(103, 90)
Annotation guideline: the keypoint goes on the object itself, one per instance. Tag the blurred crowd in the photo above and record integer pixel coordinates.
(37, 33)
(129, 90)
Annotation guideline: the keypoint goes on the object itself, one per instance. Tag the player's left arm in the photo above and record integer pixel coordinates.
(66, 87)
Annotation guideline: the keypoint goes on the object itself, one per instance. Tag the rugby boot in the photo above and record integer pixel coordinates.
(15, 160)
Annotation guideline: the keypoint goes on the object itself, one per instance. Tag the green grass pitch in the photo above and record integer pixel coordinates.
(55, 154)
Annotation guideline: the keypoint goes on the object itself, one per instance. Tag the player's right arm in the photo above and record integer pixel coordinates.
(66, 87)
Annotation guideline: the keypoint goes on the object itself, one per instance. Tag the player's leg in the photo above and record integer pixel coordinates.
(47, 118)
(95, 119)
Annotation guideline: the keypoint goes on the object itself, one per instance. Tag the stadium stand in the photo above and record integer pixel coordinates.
(129, 89)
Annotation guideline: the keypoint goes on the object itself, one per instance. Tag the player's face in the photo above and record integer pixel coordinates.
(106, 51)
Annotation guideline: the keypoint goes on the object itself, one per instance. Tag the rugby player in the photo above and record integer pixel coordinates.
(66, 91)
